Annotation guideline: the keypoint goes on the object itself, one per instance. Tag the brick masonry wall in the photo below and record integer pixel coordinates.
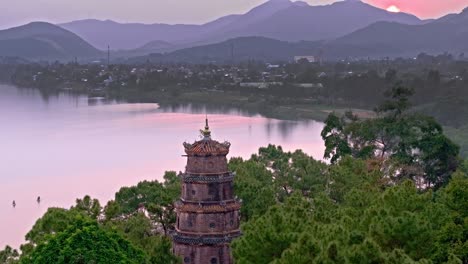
(219, 254)
(209, 164)
(208, 223)
(198, 192)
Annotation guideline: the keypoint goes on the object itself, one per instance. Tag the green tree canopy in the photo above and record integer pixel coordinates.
(86, 242)
(155, 197)
(408, 145)
(9, 255)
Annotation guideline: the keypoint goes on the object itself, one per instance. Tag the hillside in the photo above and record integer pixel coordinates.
(300, 21)
(122, 36)
(448, 34)
(239, 49)
(278, 19)
(41, 40)
(381, 39)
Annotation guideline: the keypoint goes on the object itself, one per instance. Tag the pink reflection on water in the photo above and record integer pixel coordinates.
(66, 149)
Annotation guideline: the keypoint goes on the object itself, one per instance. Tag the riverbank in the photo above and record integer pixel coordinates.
(268, 106)
(223, 101)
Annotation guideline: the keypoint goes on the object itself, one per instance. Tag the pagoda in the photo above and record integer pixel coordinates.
(207, 212)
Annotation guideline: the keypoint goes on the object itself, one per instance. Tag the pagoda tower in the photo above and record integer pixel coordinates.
(207, 212)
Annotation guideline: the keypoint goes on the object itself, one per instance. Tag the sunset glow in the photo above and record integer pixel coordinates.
(393, 9)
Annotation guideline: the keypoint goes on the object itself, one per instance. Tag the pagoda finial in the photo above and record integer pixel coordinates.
(206, 133)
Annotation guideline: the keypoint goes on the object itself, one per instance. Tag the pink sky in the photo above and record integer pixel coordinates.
(423, 8)
(18, 12)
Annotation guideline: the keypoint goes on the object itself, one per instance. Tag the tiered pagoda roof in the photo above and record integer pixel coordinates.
(207, 146)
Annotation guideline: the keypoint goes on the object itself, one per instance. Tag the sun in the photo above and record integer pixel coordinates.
(393, 9)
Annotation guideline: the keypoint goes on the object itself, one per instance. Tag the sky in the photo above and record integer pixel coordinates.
(17, 12)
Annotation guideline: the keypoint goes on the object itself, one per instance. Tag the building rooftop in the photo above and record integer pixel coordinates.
(207, 146)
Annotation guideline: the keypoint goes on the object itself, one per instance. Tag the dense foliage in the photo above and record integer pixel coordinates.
(395, 191)
(86, 242)
(363, 221)
(295, 210)
(411, 145)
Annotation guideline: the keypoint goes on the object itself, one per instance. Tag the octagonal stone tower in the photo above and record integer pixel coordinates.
(207, 212)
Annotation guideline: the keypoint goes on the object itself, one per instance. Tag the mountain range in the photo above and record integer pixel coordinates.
(378, 40)
(275, 30)
(278, 19)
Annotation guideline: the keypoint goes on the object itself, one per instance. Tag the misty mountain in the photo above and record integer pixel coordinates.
(238, 49)
(279, 19)
(40, 40)
(381, 39)
(299, 21)
(129, 36)
(156, 45)
(447, 34)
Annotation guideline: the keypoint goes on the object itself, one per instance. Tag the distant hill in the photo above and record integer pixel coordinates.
(239, 49)
(122, 36)
(156, 46)
(127, 36)
(448, 34)
(279, 19)
(46, 41)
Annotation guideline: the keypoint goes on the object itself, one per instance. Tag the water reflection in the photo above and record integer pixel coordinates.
(203, 108)
(68, 146)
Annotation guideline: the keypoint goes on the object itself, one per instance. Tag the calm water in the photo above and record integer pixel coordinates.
(64, 147)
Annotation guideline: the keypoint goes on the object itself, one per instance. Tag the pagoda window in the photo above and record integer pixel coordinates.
(186, 260)
(212, 225)
(214, 261)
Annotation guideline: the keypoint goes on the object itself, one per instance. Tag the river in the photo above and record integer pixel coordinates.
(66, 146)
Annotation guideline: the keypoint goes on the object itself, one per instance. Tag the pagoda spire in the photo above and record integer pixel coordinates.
(206, 133)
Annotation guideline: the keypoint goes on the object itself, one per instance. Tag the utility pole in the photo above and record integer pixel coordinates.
(108, 56)
(232, 52)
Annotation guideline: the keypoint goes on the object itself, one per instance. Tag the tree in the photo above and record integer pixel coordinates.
(452, 238)
(57, 220)
(407, 144)
(155, 197)
(266, 237)
(139, 230)
(86, 242)
(89, 206)
(9, 255)
(291, 171)
(253, 184)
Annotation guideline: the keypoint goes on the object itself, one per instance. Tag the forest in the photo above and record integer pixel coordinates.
(394, 189)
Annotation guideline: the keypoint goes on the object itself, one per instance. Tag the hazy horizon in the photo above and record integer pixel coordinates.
(180, 11)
